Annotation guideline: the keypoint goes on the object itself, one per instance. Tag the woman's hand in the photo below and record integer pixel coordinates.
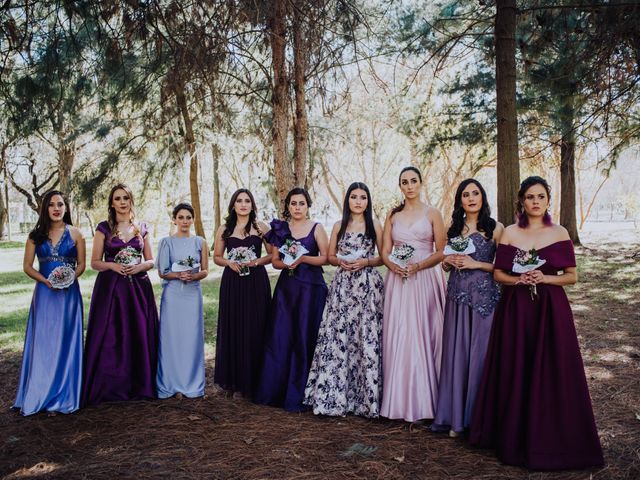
(48, 284)
(412, 268)
(465, 262)
(401, 271)
(296, 263)
(117, 267)
(233, 266)
(356, 265)
(186, 276)
(133, 269)
(534, 277)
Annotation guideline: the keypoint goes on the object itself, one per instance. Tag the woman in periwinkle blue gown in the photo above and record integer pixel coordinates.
(296, 308)
(181, 346)
(472, 294)
(50, 378)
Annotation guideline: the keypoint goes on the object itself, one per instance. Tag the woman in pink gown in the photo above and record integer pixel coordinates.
(414, 299)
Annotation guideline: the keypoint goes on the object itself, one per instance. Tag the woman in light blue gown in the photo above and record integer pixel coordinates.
(51, 374)
(181, 347)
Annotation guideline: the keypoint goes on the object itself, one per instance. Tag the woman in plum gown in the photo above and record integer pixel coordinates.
(296, 308)
(181, 343)
(122, 333)
(472, 294)
(50, 377)
(346, 373)
(533, 403)
(414, 298)
(244, 299)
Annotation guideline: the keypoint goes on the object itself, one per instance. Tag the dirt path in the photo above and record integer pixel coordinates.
(218, 437)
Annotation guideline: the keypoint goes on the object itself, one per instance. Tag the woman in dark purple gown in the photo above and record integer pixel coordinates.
(296, 308)
(122, 334)
(533, 405)
(244, 299)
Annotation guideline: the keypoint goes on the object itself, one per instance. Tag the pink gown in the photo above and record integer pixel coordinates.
(412, 330)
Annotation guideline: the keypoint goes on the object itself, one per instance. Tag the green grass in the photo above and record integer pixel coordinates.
(7, 244)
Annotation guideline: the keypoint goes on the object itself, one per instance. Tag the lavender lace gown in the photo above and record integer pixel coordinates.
(122, 334)
(471, 299)
(292, 330)
(412, 330)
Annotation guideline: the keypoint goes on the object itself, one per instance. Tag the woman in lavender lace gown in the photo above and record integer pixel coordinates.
(414, 298)
(120, 356)
(296, 309)
(533, 403)
(346, 373)
(472, 294)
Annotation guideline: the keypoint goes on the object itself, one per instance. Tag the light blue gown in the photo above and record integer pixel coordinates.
(51, 374)
(181, 347)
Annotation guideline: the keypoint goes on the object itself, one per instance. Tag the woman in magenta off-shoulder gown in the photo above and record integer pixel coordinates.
(533, 405)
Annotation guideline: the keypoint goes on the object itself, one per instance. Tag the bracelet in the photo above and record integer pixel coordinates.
(368, 264)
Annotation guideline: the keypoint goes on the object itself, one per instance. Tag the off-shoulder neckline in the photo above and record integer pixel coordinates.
(537, 249)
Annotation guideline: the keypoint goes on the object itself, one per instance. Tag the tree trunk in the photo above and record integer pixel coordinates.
(190, 144)
(3, 213)
(283, 173)
(66, 157)
(301, 126)
(568, 184)
(215, 154)
(508, 167)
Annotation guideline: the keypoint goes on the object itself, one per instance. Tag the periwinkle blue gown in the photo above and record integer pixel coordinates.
(181, 346)
(292, 330)
(50, 378)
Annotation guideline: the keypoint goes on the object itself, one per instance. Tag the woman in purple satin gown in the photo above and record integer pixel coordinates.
(533, 403)
(472, 294)
(296, 308)
(244, 299)
(122, 333)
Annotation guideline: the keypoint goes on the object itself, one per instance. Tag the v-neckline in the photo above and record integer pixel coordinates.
(59, 242)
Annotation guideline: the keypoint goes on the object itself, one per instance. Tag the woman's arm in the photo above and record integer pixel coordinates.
(96, 256)
(27, 263)
(323, 246)
(333, 247)
(81, 248)
(266, 258)
(218, 253)
(440, 240)
(204, 262)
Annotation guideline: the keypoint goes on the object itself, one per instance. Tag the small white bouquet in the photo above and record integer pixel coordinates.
(352, 256)
(459, 246)
(292, 250)
(62, 277)
(242, 255)
(128, 256)
(188, 264)
(401, 255)
(525, 262)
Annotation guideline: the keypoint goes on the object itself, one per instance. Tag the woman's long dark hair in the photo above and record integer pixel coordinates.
(113, 221)
(486, 224)
(231, 219)
(398, 208)
(370, 231)
(40, 232)
(295, 191)
(521, 215)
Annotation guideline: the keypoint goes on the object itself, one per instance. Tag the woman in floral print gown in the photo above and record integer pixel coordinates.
(346, 373)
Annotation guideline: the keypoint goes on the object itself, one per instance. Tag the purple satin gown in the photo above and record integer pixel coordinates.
(122, 334)
(468, 315)
(533, 405)
(242, 315)
(292, 331)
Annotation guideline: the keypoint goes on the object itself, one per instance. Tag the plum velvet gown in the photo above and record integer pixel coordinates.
(51, 373)
(181, 344)
(468, 315)
(412, 330)
(122, 333)
(292, 330)
(533, 404)
(242, 315)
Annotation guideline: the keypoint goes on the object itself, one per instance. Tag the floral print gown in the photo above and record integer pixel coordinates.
(346, 372)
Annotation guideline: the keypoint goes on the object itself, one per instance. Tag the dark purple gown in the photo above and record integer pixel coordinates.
(242, 315)
(533, 405)
(292, 330)
(122, 334)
